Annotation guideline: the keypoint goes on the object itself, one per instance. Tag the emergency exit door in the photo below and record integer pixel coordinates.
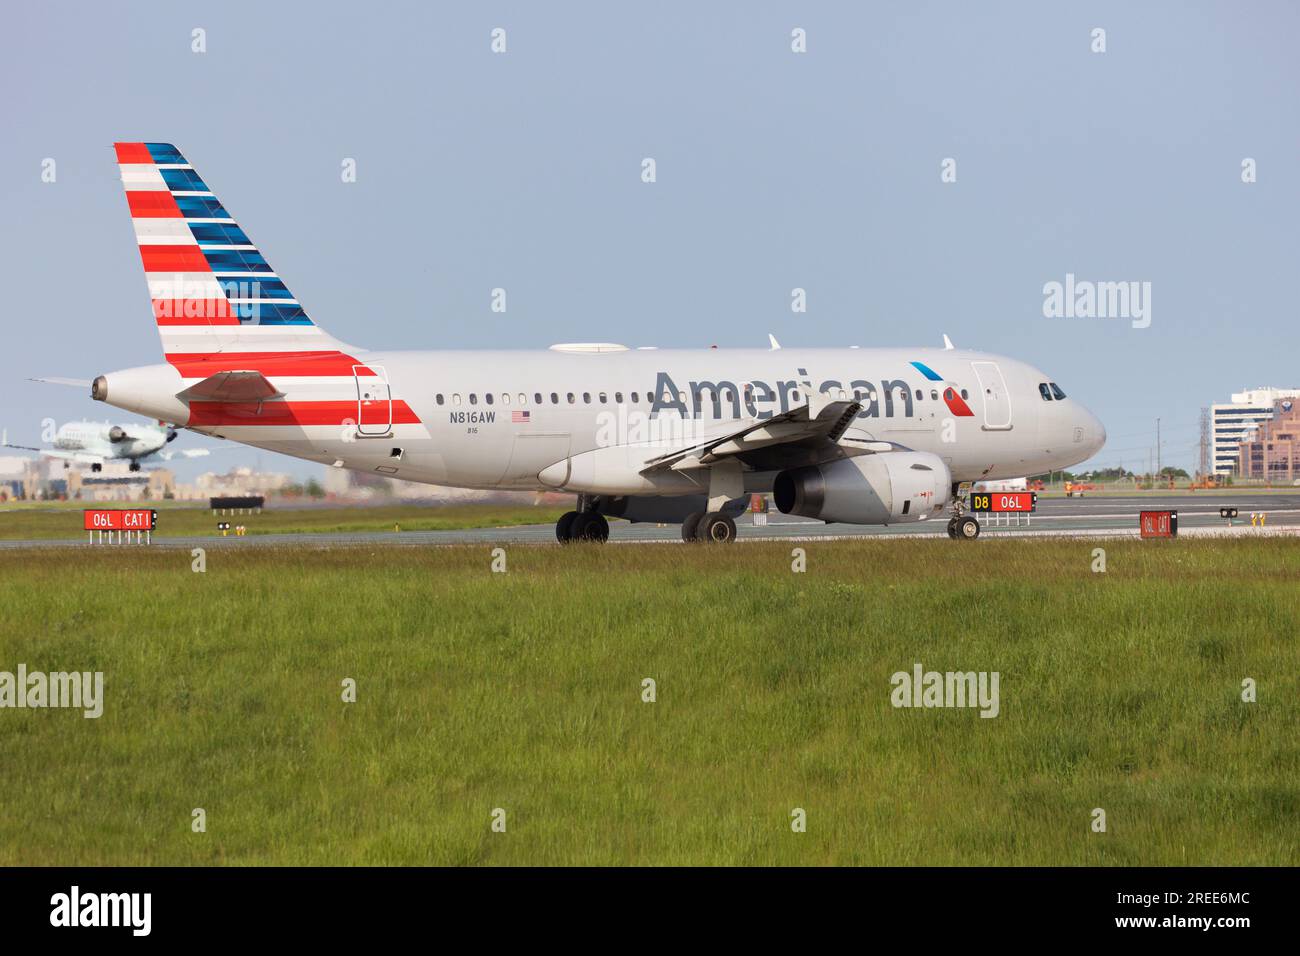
(374, 400)
(997, 402)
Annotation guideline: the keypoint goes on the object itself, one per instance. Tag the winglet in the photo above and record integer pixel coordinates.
(775, 344)
(947, 344)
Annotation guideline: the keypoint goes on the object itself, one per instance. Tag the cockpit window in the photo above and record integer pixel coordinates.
(1044, 391)
(1056, 390)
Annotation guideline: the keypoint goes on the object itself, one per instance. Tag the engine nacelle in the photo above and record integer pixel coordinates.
(869, 489)
(116, 434)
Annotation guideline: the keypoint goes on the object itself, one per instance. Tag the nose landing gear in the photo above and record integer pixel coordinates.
(961, 526)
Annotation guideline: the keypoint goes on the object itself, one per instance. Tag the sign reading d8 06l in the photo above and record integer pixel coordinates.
(1019, 502)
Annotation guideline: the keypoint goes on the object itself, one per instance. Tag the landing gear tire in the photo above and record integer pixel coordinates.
(564, 526)
(952, 528)
(966, 528)
(589, 526)
(691, 525)
(716, 528)
(134, 466)
(96, 467)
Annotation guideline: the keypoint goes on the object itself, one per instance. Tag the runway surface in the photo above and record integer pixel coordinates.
(1067, 517)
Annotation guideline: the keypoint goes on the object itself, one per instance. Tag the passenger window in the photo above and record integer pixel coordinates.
(505, 398)
(618, 398)
(934, 394)
(1056, 390)
(965, 394)
(586, 397)
(918, 395)
(571, 399)
(440, 398)
(1043, 391)
(634, 398)
(455, 398)
(473, 399)
(537, 398)
(555, 399)
(603, 398)
(487, 398)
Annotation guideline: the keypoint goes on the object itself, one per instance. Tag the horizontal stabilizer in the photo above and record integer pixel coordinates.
(246, 386)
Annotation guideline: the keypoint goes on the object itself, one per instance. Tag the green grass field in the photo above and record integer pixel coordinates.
(522, 691)
(30, 521)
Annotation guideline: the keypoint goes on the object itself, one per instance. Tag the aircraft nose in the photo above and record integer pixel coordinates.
(1094, 432)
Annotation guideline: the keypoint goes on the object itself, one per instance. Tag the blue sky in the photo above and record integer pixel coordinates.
(775, 170)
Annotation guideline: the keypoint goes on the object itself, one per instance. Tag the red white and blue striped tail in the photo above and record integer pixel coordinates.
(213, 292)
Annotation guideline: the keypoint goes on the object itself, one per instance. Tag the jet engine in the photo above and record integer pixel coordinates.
(116, 434)
(869, 489)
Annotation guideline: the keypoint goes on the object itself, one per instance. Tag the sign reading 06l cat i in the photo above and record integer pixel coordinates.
(120, 519)
(1019, 502)
(1158, 524)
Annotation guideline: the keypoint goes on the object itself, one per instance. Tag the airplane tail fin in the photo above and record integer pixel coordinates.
(212, 291)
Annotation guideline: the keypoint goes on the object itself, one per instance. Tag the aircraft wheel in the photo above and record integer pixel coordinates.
(134, 466)
(966, 528)
(564, 527)
(691, 525)
(716, 528)
(589, 527)
(96, 467)
(952, 527)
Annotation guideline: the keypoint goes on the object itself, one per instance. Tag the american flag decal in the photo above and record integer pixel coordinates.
(518, 417)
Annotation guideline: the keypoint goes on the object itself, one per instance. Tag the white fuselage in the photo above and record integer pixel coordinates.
(500, 419)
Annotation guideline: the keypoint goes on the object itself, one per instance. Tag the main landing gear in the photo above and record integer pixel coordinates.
(581, 526)
(962, 527)
(711, 526)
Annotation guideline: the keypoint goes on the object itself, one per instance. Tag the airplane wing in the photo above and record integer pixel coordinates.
(235, 386)
(801, 434)
(23, 447)
(80, 457)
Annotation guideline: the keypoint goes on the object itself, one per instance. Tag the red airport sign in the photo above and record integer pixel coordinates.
(1009, 502)
(1158, 524)
(120, 519)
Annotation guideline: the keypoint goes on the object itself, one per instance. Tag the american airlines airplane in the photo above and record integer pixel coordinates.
(866, 436)
(94, 443)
